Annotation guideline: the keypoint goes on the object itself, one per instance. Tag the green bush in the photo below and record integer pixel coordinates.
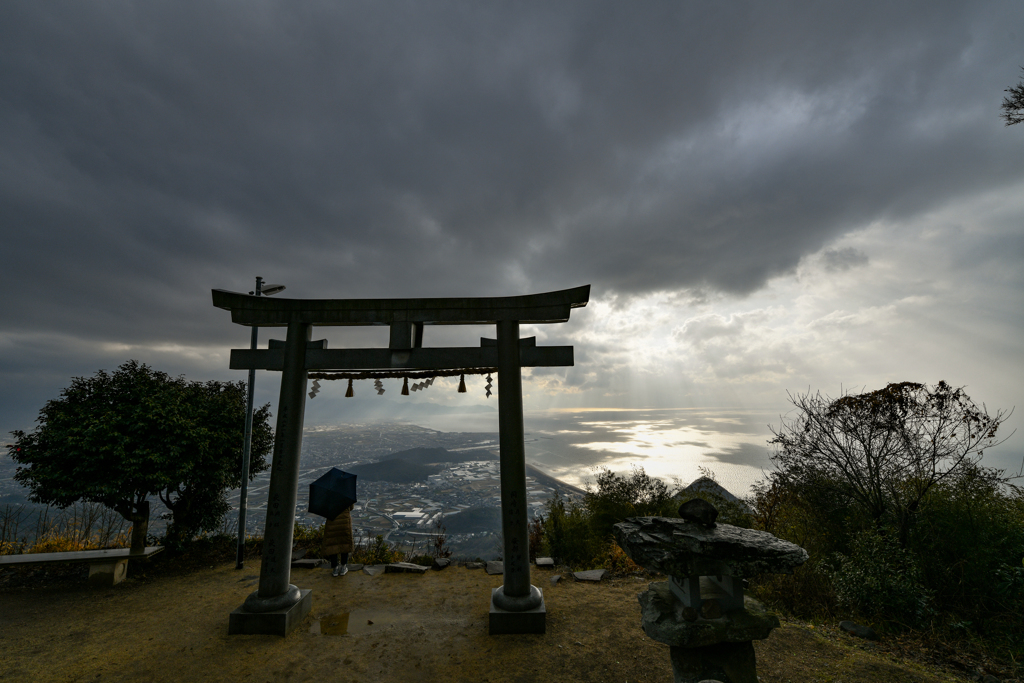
(618, 497)
(969, 537)
(568, 536)
(310, 538)
(880, 580)
(376, 551)
(579, 534)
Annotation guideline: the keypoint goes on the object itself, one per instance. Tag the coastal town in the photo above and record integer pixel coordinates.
(414, 483)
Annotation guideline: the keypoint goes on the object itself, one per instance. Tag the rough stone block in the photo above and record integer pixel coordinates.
(441, 562)
(545, 562)
(857, 630)
(663, 619)
(374, 569)
(475, 565)
(555, 579)
(405, 568)
(725, 662)
(504, 622)
(108, 573)
(700, 511)
(590, 575)
(275, 623)
(680, 548)
(308, 563)
(354, 567)
(496, 567)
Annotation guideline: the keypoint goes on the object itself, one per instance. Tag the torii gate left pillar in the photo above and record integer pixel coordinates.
(278, 606)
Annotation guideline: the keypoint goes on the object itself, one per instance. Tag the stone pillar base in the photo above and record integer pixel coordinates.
(276, 623)
(725, 662)
(529, 621)
(108, 573)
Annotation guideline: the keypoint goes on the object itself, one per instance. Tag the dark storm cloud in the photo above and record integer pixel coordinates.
(151, 151)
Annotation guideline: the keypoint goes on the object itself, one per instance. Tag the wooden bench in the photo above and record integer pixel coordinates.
(106, 567)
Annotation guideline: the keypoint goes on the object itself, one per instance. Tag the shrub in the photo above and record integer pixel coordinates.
(568, 536)
(616, 561)
(311, 538)
(376, 551)
(881, 580)
(618, 497)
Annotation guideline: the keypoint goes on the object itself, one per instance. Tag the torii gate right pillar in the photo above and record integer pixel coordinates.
(517, 606)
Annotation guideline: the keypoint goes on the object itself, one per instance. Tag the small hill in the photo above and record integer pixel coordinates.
(474, 520)
(396, 470)
(710, 486)
(424, 455)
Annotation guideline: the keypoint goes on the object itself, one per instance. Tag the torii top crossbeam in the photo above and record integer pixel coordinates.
(550, 307)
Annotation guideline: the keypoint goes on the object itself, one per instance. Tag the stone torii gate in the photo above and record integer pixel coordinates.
(278, 606)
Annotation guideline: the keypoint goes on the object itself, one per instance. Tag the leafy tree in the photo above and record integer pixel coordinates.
(1013, 106)
(568, 535)
(884, 450)
(618, 497)
(119, 438)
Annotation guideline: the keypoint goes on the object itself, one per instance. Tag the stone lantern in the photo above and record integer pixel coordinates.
(701, 612)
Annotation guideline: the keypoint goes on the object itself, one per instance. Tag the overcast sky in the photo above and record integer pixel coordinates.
(765, 197)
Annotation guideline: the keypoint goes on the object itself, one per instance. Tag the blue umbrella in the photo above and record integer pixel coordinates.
(332, 493)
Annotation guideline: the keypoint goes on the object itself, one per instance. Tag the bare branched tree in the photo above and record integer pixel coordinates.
(885, 449)
(1013, 106)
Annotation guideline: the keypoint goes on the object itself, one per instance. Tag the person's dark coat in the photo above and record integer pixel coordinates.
(338, 533)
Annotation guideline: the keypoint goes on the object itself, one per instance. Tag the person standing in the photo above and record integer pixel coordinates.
(338, 541)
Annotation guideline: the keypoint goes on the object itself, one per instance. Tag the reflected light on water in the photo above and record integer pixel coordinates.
(671, 444)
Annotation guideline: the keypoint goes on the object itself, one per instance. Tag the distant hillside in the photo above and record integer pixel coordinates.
(557, 484)
(708, 485)
(474, 520)
(428, 456)
(396, 470)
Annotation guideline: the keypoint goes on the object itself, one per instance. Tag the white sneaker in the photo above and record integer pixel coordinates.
(340, 570)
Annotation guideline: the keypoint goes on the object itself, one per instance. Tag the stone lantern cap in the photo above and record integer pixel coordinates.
(679, 547)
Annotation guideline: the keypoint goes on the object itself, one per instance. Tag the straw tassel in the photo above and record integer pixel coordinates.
(405, 387)
(349, 393)
(462, 384)
(488, 387)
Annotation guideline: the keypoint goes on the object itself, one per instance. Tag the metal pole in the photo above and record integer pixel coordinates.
(247, 448)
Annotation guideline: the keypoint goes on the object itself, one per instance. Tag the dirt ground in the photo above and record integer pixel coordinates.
(397, 627)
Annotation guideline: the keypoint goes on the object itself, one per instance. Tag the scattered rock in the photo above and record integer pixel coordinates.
(405, 568)
(298, 554)
(496, 567)
(555, 579)
(545, 562)
(308, 563)
(441, 562)
(700, 511)
(354, 567)
(374, 569)
(857, 630)
(475, 565)
(591, 575)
